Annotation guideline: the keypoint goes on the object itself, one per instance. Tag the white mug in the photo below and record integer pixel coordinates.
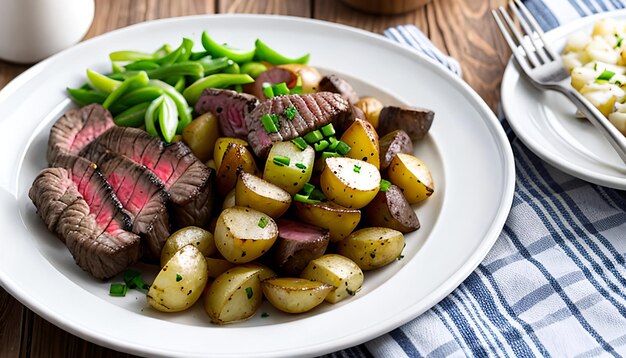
(31, 30)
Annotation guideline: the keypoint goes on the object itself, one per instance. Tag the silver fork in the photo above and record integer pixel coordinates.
(544, 69)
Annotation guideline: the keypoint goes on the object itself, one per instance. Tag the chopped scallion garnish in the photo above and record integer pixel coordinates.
(313, 137)
(307, 189)
(249, 292)
(179, 277)
(280, 89)
(300, 143)
(300, 166)
(342, 148)
(356, 168)
(304, 199)
(321, 145)
(317, 195)
(268, 91)
(384, 185)
(328, 130)
(281, 160)
(605, 75)
(268, 124)
(262, 222)
(118, 290)
(329, 154)
(619, 41)
(290, 112)
(133, 279)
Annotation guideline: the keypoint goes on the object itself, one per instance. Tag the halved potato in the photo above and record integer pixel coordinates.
(236, 159)
(412, 176)
(244, 234)
(200, 238)
(216, 267)
(372, 247)
(235, 295)
(261, 195)
(180, 282)
(229, 200)
(371, 108)
(309, 75)
(349, 182)
(339, 220)
(363, 141)
(200, 135)
(221, 144)
(290, 177)
(339, 271)
(294, 295)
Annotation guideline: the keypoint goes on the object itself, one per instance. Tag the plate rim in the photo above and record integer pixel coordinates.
(488, 117)
(510, 80)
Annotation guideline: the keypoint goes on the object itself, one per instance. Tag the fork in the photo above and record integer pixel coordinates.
(543, 67)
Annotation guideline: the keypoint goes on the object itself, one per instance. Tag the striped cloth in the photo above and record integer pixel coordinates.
(554, 284)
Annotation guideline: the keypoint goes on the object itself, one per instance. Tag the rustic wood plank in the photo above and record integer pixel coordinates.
(11, 312)
(278, 7)
(462, 28)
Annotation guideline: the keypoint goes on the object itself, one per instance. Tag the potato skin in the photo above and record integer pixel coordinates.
(338, 271)
(295, 295)
(200, 135)
(412, 176)
(363, 141)
(339, 220)
(236, 158)
(221, 144)
(391, 209)
(193, 235)
(371, 108)
(391, 144)
(372, 247)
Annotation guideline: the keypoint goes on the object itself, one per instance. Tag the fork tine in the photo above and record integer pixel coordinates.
(512, 44)
(529, 53)
(537, 28)
(539, 47)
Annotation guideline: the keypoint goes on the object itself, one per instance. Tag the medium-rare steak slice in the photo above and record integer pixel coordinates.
(79, 205)
(143, 195)
(312, 111)
(75, 129)
(186, 179)
(230, 107)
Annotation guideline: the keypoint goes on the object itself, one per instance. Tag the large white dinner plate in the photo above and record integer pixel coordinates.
(467, 151)
(545, 121)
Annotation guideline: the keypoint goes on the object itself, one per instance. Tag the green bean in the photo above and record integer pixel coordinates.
(265, 53)
(102, 82)
(195, 56)
(232, 68)
(130, 56)
(178, 82)
(187, 45)
(182, 53)
(132, 117)
(220, 80)
(168, 119)
(116, 68)
(140, 79)
(139, 95)
(150, 117)
(120, 76)
(213, 65)
(184, 112)
(142, 65)
(177, 69)
(254, 69)
(163, 51)
(86, 96)
(217, 50)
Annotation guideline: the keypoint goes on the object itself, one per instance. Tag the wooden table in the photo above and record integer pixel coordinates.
(462, 28)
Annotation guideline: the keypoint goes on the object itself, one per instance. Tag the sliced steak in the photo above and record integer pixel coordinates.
(414, 121)
(297, 244)
(230, 107)
(143, 195)
(334, 84)
(312, 112)
(75, 129)
(186, 179)
(79, 205)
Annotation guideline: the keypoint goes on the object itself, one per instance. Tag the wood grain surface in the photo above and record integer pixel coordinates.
(461, 28)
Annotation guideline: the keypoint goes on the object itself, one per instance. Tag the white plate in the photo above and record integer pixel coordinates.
(467, 150)
(545, 121)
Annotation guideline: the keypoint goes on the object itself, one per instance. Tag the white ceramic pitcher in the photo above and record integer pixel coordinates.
(31, 30)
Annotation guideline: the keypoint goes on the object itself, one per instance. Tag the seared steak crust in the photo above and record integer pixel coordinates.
(230, 107)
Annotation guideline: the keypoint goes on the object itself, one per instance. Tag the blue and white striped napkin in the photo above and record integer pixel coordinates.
(554, 283)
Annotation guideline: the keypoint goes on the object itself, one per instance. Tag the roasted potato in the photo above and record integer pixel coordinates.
(216, 267)
(412, 176)
(256, 193)
(235, 295)
(363, 141)
(244, 234)
(236, 159)
(338, 271)
(180, 282)
(229, 200)
(350, 182)
(339, 220)
(297, 244)
(391, 144)
(371, 107)
(416, 122)
(221, 144)
(391, 209)
(372, 247)
(290, 177)
(200, 238)
(294, 295)
(309, 76)
(200, 135)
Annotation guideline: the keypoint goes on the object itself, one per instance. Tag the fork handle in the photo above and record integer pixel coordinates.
(612, 134)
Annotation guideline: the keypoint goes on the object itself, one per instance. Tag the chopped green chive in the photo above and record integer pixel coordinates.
(118, 290)
(618, 82)
(619, 41)
(300, 143)
(328, 130)
(304, 199)
(605, 75)
(317, 194)
(262, 222)
(268, 91)
(265, 315)
(297, 89)
(342, 148)
(133, 279)
(179, 277)
(268, 124)
(307, 189)
(290, 112)
(280, 89)
(281, 160)
(321, 145)
(249, 292)
(384, 185)
(300, 166)
(329, 154)
(356, 168)
(313, 137)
